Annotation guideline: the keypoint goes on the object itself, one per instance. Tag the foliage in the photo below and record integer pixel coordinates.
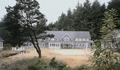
(57, 65)
(11, 32)
(110, 21)
(86, 17)
(106, 57)
(36, 64)
(115, 4)
(107, 60)
(83, 67)
(31, 20)
(23, 22)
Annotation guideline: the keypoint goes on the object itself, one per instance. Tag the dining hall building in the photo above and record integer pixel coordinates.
(67, 40)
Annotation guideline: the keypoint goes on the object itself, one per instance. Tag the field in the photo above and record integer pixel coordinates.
(71, 57)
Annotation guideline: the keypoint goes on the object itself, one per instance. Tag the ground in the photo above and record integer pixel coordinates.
(71, 57)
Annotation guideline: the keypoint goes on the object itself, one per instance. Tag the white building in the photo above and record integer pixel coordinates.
(67, 39)
(1, 43)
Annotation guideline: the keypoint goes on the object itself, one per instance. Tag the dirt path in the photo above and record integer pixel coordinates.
(80, 57)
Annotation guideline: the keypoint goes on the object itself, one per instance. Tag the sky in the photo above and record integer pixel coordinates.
(52, 9)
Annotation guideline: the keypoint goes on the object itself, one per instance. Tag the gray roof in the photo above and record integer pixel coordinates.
(72, 34)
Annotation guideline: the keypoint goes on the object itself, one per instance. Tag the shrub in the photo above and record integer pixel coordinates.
(36, 64)
(57, 65)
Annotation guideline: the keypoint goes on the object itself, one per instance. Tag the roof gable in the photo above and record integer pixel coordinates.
(72, 34)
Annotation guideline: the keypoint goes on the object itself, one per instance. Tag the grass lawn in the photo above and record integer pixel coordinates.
(71, 57)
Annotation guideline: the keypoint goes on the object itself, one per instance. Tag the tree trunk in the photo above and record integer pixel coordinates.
(36, 44)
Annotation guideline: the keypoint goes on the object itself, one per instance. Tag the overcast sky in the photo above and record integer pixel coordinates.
(52, 9)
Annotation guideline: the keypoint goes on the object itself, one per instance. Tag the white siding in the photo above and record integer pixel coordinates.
(1, 45)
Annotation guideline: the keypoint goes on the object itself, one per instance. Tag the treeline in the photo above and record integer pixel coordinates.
(86, 17)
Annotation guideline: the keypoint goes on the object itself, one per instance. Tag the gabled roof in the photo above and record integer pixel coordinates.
(72, 34)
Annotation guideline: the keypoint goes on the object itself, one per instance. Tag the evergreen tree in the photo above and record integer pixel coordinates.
(24, 22)
(97, 14)
(60, 24)
(105, 58)
(110, 21)
(11, 32)
(86, 17)
(115, 4)
(31, 19)
(51, 27)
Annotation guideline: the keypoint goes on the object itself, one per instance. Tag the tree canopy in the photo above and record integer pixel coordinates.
(24, 22)
(86, 17)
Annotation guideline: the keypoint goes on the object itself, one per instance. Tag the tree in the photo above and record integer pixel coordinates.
(24, 22)
(86, 17)
(110, 21)
(115, 4)
(97, 14)
(51, 27)
(60, 24)
(31, 20)
(11, 30)
(105, 56)
(82, 16)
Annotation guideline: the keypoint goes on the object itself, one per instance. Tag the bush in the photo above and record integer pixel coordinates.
(83, 67)
(57, 65)
(107, 60)
(36, 64)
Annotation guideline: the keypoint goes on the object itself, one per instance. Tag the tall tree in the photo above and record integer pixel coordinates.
(30, 18)
(105, 58)
(115, 4)
(109, 29)
(97, 14)
(24, 22)
(86, 17)
(110, 21)
(60, 24)
(12, 33)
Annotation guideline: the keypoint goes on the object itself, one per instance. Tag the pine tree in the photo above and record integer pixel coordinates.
(109, 25)
(60, 24)
(115, 4)
(97, 14)
(12, 33)
(105, 58)
(31, 19)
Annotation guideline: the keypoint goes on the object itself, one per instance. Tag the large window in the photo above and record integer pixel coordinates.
(54, 44)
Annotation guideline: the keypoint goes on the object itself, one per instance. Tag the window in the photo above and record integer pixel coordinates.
(76, 39)
(83, 39)
(87, 39)
(83, 45)
(80, 39)
(79, 44)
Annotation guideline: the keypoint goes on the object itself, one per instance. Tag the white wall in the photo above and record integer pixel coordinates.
(1, 45)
